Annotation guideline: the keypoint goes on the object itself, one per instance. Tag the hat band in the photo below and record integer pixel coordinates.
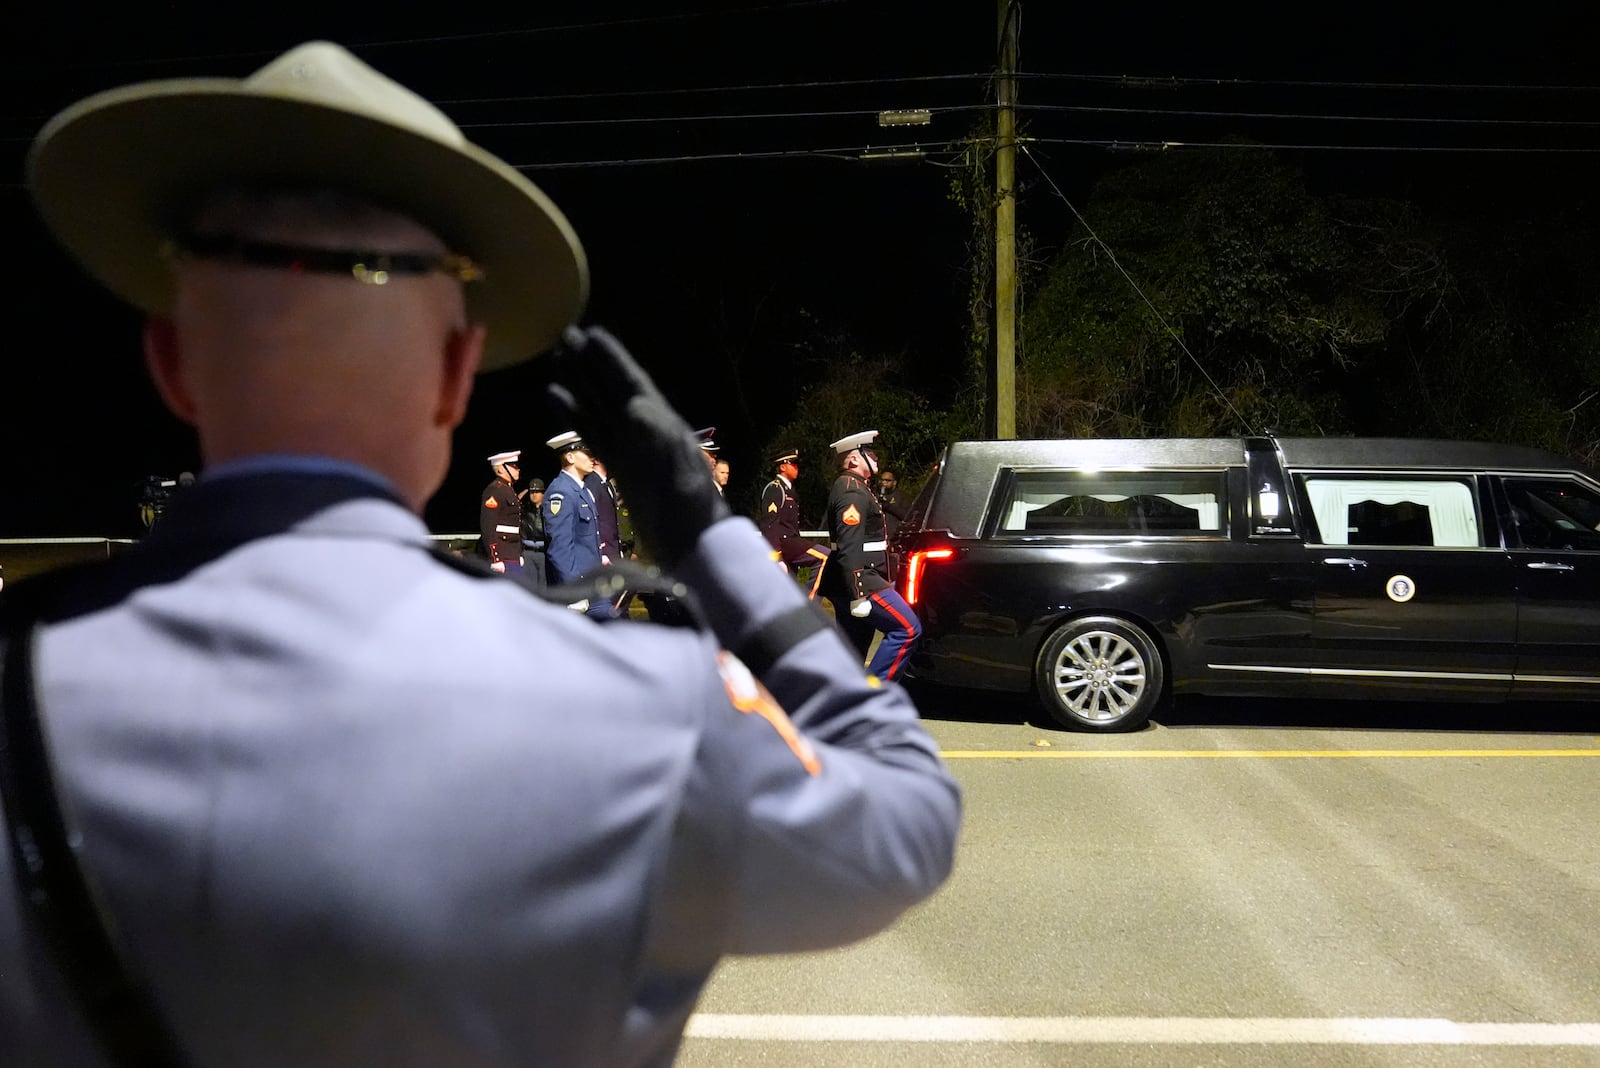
(369, 267)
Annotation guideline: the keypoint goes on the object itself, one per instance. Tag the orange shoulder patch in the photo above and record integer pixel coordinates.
(746, 694)
(491, 503)
(851, 517)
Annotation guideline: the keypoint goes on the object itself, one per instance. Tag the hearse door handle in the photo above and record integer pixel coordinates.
(1543, 565)
(1348, 561)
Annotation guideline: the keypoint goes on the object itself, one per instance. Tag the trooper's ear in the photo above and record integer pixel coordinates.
(163, 358)
(463, 352)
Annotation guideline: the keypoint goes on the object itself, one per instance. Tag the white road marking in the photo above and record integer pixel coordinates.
(1353, 1031)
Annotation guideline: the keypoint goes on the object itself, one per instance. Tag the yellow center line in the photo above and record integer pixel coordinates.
(1256, 754)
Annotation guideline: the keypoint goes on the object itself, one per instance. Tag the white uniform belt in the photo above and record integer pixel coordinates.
(874, 546)
(503, 529)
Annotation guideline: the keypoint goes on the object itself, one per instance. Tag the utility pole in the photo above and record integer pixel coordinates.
(1005, 229)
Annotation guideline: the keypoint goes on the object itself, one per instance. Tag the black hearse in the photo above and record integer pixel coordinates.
(1108, 574)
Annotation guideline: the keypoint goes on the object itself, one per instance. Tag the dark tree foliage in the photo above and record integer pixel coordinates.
(879, 392)
(1211, 294)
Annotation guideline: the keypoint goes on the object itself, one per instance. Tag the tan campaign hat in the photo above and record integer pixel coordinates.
(113, 174)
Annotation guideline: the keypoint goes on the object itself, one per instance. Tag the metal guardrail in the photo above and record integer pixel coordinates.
(21, 557)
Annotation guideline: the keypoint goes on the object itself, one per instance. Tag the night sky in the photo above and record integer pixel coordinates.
(709, 269)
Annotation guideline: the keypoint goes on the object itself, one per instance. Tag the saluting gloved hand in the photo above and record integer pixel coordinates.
(615, 407)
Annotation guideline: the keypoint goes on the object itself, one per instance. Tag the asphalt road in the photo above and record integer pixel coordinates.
(1239, 884)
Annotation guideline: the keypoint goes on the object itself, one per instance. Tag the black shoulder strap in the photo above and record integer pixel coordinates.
(52, 886)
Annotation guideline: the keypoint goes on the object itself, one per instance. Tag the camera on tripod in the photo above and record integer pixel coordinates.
(156, 492)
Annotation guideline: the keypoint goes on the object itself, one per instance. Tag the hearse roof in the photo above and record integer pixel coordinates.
(1297, 453)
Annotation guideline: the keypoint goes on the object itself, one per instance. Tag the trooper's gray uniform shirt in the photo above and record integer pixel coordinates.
(333, 829)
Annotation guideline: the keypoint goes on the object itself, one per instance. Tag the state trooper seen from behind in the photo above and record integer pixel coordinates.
(273, 767)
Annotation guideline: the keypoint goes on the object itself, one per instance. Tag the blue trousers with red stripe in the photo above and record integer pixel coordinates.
(901, 629)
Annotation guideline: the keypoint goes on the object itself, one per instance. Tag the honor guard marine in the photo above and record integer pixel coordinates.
(860, 560)
(500, 513)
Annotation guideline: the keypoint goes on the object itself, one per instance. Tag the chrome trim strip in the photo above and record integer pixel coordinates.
(1325, 545)
(1583, 680)
(1372, 674)
(1587, 680)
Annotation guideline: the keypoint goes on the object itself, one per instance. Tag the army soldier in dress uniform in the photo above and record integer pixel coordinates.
(707, 436)
(500, 513)
(780, 521)
(860, 560)
(572, 522)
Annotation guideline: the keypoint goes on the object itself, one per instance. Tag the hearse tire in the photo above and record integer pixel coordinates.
(1099, 673)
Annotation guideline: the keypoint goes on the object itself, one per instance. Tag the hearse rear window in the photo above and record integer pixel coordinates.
(1114, 503)
(1393, 511)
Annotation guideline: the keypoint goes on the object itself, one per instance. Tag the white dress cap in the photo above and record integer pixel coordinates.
(568, 442)
(853, 441)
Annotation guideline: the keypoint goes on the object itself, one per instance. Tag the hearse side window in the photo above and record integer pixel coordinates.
(1412, 511)
(919, 507)
(1554, 513)
(1113, 503)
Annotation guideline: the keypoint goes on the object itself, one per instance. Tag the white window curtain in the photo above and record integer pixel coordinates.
(1449, 504)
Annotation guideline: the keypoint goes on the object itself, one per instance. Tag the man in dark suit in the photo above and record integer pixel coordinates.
(605, 506)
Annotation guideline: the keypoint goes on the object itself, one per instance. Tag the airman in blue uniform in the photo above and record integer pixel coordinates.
(572, 523)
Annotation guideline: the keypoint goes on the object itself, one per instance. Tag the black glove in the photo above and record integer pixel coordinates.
(615, 407)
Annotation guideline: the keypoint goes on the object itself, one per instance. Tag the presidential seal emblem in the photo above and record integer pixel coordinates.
(1400, 589)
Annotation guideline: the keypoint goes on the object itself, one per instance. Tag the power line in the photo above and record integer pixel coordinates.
(1157, 146)
(1303, 116)
(740, 116)
(760, 87)
(1167, 81)
(1112, 256)
(851, 153)
(757, 87)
